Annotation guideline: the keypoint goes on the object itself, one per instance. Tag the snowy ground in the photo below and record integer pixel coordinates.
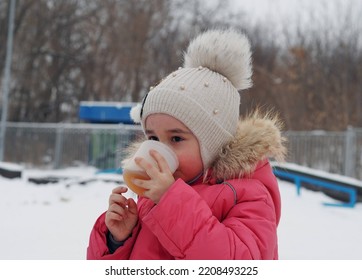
(53, 221)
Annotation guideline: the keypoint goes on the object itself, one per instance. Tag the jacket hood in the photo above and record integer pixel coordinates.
(258, 137)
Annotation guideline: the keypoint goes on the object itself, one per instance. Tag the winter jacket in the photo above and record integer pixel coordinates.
(233, 214)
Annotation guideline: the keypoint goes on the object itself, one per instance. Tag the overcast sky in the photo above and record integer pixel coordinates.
(280, 10)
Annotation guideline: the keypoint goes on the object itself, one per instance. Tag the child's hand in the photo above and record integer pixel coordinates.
(122, 214)
(161, 177)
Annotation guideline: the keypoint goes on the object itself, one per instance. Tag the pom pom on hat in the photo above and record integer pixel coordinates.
(135, 113)
(226, 52)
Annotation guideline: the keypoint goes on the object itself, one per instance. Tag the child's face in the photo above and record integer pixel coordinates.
(180, 139)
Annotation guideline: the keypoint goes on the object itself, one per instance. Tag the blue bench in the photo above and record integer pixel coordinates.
(299, 179)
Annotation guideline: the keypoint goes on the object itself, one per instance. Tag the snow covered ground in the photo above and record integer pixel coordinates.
(53, 221)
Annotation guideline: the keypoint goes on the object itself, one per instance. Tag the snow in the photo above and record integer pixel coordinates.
(311, 231)
(10, 166)
(53, 221)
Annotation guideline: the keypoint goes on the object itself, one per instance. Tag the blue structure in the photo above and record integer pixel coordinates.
(102, 145)
(299, 178)
(106, 112)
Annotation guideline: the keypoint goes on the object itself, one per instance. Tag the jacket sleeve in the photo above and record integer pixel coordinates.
(98, 248)
(187, 228)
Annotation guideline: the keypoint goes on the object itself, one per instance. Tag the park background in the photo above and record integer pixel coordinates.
(307, 66)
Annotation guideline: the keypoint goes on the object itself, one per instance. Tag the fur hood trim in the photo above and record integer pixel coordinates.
(258, 137)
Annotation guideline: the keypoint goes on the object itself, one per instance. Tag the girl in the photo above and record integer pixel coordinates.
(223, 200)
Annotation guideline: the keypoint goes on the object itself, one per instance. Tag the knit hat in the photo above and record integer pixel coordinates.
(204, 95)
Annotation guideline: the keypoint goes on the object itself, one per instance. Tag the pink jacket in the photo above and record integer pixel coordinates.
(236, 219)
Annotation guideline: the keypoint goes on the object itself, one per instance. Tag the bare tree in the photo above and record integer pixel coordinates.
(311, 73)
(114, 50)
(48, 49)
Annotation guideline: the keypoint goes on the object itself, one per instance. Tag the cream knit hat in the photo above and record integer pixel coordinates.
(204, 94)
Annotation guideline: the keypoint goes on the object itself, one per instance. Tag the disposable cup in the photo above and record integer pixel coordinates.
(132, 171)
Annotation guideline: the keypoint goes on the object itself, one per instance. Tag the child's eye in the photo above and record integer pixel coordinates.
(176, 139)
(153, 138)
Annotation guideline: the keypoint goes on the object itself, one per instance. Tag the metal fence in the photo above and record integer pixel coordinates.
(335, 152)
(61, 145)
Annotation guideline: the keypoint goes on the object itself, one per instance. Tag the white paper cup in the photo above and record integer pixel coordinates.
(132, 171)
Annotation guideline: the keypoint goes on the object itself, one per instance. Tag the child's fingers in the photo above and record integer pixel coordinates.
(111, 216)
(152, 170)
(132, 206)
(117, 211)
(117, 198)
(144, 164)
(141, 183)
(161, 161)
(120, 190)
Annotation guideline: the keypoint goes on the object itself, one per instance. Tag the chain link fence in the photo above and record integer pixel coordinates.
(62, 145)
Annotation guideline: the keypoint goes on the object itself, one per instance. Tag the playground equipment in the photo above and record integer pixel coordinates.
(345, 189)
